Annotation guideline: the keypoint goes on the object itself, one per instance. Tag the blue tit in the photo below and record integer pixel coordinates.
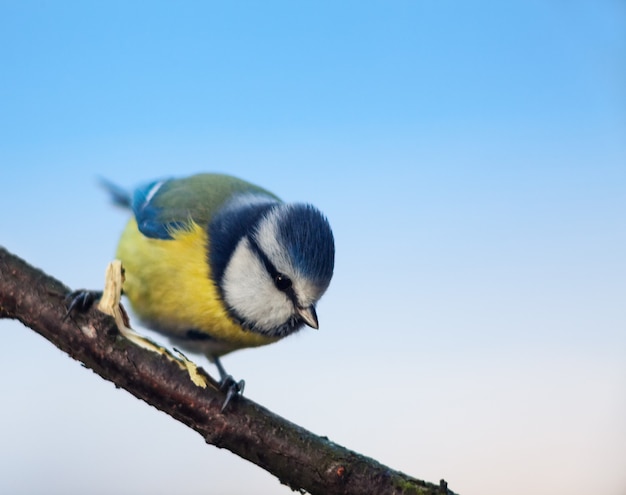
(218, 264)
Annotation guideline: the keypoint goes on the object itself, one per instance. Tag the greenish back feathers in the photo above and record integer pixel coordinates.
(164, 206)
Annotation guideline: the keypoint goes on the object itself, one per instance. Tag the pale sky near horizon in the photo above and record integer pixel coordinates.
(471, 159)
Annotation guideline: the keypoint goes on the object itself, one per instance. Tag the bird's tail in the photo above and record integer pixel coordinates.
(119, 195)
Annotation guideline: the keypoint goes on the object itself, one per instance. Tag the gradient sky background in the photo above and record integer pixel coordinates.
(471, 158)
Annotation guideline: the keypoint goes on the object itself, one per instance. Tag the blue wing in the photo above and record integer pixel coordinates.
(150, 217)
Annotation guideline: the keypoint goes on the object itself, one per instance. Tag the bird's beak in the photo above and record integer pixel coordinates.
(309, 316)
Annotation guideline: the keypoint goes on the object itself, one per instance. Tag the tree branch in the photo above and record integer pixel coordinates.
(297, 457)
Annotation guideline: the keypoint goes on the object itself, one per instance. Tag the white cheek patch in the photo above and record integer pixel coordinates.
(250, 291)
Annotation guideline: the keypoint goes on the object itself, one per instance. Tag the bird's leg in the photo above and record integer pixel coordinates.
(228, 383)
(81, 300)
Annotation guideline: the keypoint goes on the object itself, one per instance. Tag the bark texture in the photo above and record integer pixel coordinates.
(298, 458)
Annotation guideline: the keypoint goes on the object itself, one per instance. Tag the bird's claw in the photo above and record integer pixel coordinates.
(80, 300)
(232, 389)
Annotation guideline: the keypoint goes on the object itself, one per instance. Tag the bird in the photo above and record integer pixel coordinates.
(217, 264)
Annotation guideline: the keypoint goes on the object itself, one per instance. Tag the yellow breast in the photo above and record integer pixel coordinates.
(169, 285)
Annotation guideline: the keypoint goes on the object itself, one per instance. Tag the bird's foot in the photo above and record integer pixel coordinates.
(232, 389)
(228, 384)
(81, 300)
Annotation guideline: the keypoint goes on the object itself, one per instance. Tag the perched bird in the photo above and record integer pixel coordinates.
(218, 264)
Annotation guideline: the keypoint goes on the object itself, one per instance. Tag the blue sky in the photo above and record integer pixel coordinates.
(472, 162)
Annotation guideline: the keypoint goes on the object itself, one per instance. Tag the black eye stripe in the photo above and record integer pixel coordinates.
(281, 281)
(269, 266)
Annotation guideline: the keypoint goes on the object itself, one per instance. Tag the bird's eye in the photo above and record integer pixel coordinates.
(282, 282)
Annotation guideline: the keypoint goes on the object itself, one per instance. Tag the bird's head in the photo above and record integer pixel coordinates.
(280, 265)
